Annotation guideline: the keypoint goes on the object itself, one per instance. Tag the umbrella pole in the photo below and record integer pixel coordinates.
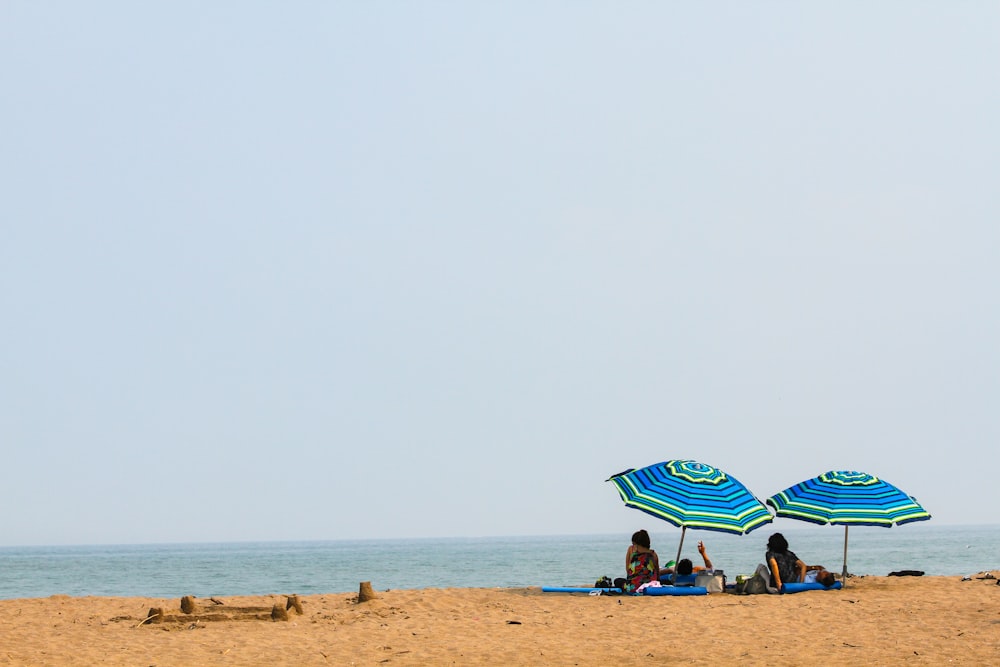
(673, 575)
(843, 575)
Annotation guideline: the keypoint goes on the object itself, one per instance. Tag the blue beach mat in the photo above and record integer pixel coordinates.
(655, 590)
(676, 590)
(798, 588)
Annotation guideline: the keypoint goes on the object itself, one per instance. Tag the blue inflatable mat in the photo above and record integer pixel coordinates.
(681, 580)
(570, 589)
(676, 590)
(798, 588)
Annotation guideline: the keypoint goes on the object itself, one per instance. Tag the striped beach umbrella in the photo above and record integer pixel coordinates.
(847, 498)
(690, 494)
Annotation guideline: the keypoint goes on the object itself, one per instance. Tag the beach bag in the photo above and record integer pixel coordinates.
(604, 582)
(755, 585)
(713, 582)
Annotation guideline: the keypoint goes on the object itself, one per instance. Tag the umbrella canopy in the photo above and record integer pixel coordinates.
(848, 498)
(690, 494)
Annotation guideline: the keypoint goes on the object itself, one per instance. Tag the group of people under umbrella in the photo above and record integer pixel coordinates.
(689, 494)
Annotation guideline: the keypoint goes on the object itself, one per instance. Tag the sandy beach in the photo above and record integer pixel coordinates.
(874, 620)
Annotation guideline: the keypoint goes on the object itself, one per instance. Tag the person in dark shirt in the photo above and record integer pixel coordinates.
(785, 566)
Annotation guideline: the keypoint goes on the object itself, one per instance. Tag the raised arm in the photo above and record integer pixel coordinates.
(704, 555)
(773, 564)
(802, 570)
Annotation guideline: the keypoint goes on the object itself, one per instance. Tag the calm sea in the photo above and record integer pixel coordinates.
(252, 568)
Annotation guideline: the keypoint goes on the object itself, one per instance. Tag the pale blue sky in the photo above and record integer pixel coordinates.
(319, 270)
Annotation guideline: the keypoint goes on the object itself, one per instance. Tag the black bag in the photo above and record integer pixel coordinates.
(604, 582)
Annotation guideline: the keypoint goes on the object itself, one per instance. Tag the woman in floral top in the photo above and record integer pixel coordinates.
(641, 563)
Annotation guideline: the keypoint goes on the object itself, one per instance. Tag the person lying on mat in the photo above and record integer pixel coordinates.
(685, 566)
(819, 575)
(641, 563)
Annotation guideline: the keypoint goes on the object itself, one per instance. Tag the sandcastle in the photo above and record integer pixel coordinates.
(193, 611)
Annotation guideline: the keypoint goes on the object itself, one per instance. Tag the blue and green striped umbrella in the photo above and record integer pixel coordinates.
(848, 498)
(690, 494)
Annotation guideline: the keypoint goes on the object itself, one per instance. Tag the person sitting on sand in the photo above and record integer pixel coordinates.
(685, 566)
(785, 566)
(641, 563)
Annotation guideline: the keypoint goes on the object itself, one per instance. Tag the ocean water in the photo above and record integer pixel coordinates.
(252, 568)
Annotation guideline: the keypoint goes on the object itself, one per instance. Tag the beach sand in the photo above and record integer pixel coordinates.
(874, 621)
